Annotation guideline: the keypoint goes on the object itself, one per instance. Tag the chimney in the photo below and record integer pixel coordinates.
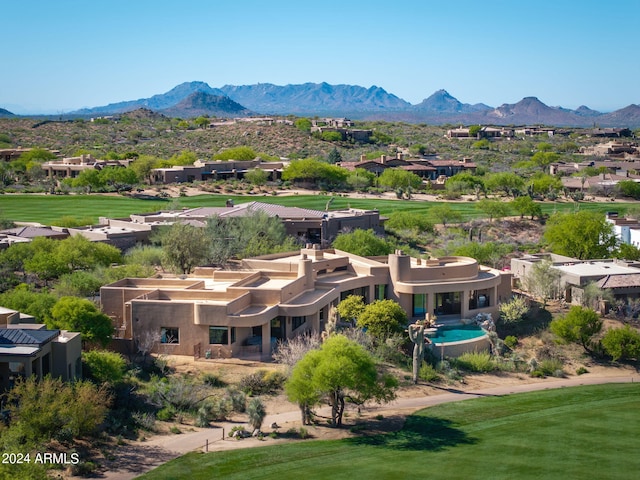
(383, 159)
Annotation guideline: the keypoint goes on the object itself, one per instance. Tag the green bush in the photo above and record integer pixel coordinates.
(551, 367)
(581, 371)
(166, 414)
(511, 341)
(480, 362)
(622, 343)
(427, 373)
(104, 366)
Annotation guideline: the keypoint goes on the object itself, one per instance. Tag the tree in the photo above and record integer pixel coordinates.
(351, 307)
(202, 122)
(493, 208)
(544, 184)
(119, 178)
(340, 371)
(23, 299)
(334, 156)
(236, 153)
(257, 177)
(362, 242)
(185, 247)
(382, 319)
(525, 205)
(361, 179)
(622, 343)
(143, 167)
(582, 235)
(303, 124)
(627, 251)
(543, 281)
(394, 178)
(89, 179)
(443, 213)
(312, 170)
(593, 295)
(79, 284)
(579, 325)
(509, 183)
(402, 220)
(185, 157)
(488, 253)
(42, 410)
(80, 315)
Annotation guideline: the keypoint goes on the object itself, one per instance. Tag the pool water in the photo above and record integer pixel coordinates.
(456, 333)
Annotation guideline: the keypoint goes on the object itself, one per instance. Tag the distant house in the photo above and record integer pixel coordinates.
(28, 348)
(27, 233)
(307, 225)
(71, 167)
(428, 169)
(215, 170)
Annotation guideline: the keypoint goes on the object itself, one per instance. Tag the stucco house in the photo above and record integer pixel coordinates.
(241, 313)
(28, 348)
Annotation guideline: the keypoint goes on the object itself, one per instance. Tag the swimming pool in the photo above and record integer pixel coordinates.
(454, 340)
(456, 333)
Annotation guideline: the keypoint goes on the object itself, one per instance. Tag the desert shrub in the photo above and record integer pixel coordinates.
(213, 380)
(581, 371)
(104, 366)
(476, 362)
(550, 367)
(180, 392)
(144, 420)
(50, 408)
(427, 373)
(237, 399)
(262, 382)
(291, 351)
(257, 412)
(511, 341)
(166, 414)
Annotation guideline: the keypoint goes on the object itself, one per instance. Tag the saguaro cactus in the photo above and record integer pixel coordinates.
(416, 334)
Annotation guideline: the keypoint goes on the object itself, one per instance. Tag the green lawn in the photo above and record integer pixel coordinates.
(570, 433)
(48, 208)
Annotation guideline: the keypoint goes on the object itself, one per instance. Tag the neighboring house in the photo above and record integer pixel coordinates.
(612, 148)
(576, 274)
(28, 233)
(214, 170)
(428, 169)
(73, 166)
(309, 226)
(242, 313)
(484, 132)
(627, 230)
(28, 348)
(10, 154)
(603, 183)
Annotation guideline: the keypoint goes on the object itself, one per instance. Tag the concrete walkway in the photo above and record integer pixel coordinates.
(148, 455)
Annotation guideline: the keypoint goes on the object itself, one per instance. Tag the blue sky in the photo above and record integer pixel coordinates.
(63, 55)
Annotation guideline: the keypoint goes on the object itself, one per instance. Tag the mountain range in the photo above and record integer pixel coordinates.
(192, 99)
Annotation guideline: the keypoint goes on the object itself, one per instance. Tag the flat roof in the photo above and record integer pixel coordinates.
(597, 268)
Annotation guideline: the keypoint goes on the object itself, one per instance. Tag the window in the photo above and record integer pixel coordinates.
(297, 322)
(381, 292)
(220, 335)
(419, 304)
(169, 335)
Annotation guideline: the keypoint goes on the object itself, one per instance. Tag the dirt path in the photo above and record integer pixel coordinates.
(140, 457)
